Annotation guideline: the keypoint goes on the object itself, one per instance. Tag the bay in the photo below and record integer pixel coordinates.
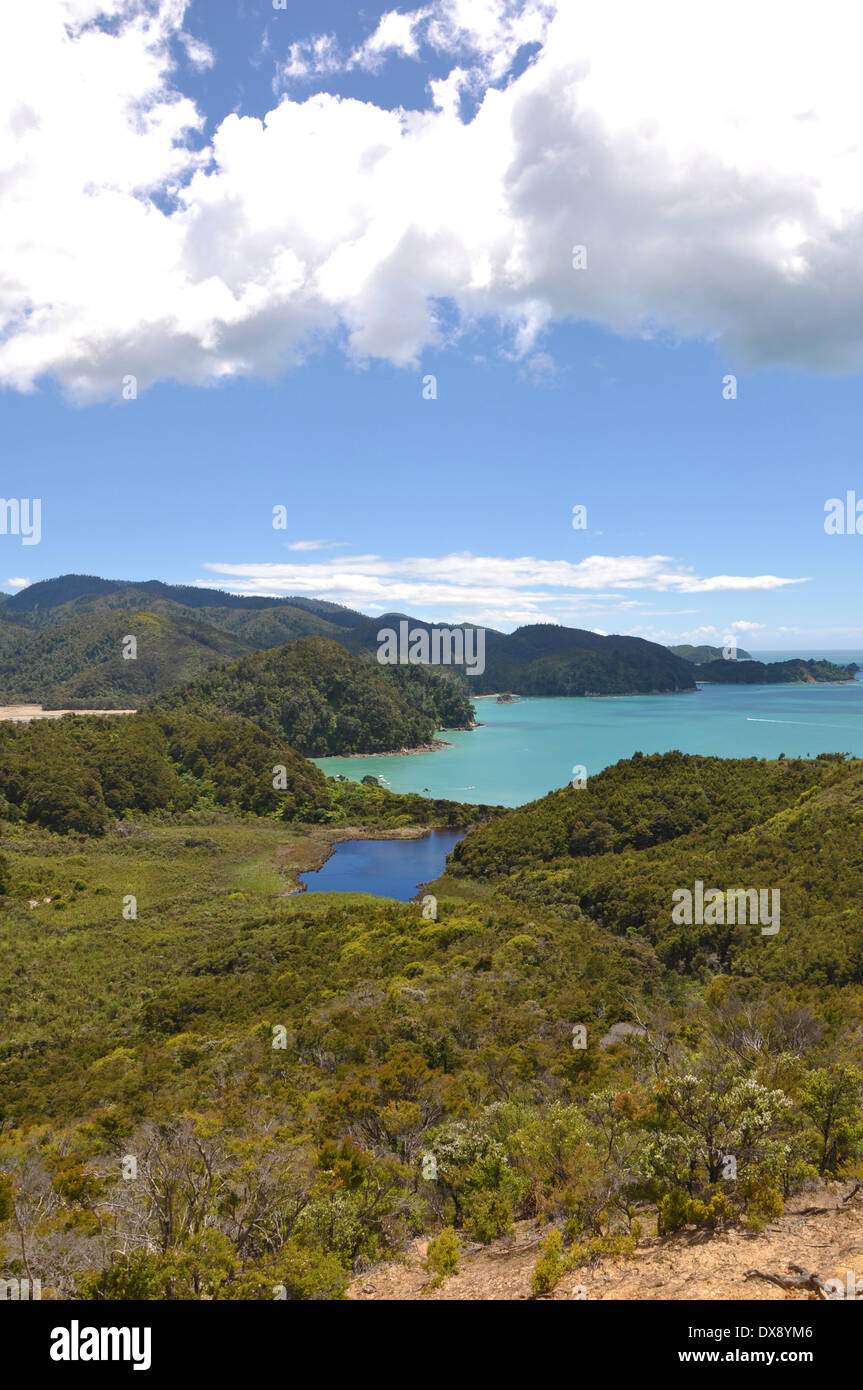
(526, 749)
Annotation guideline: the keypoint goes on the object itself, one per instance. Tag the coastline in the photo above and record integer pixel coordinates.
(432, 747)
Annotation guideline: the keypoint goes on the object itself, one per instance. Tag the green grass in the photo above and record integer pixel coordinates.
(77, 961)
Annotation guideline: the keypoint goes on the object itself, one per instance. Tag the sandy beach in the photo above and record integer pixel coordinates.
(22, 714)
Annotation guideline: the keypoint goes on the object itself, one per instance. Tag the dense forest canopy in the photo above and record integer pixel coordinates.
(80, 773)
(618, 848)
(324, 701)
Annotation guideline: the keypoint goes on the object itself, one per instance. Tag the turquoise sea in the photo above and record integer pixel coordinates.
(526, 749)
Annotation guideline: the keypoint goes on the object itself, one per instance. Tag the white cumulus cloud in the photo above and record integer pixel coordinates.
(710, 163)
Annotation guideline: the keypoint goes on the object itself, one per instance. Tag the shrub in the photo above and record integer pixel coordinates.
(549, 1266)
(489, 1214)
(677, 1210)
(615, 1245)
(442, 1256)
(762, 1202)
(299, 1274)
(673, 1211)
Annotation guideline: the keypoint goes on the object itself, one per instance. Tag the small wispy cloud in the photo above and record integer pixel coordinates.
(17, 583)
(199, 54)
(315, 545)
(310, 58)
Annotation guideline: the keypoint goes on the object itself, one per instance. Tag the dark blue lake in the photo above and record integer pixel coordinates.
(387, 868)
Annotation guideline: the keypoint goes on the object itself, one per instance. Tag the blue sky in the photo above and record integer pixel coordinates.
(280, 315)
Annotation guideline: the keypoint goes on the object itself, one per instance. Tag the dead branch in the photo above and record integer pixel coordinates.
(798, 1279)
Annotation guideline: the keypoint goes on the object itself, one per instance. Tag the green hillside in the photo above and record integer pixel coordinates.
(282, 1069)
(618, 848)
(52, 600)
(79, 662)
(80, 774)
(74, 613)
(544, 659)
(324, 701)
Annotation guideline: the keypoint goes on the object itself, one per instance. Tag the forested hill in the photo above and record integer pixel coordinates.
(698, 655)
(793, 672)
(51, 600)
(619, 847)
(62, 645)
(324, 701)
(78, 775)
(80, 661)
(544, 659)
(62, 640)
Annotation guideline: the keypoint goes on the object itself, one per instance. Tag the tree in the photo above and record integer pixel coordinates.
(831, 1097)
(598, 838)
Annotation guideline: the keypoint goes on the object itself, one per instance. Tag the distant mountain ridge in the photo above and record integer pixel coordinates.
(792, 672)
(704, 653)
(61, 640)
(62, 645)
(49, 594)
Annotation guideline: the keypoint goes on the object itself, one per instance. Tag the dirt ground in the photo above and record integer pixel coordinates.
(681, 1267)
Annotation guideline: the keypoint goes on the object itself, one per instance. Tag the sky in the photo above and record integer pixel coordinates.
(361, 304)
